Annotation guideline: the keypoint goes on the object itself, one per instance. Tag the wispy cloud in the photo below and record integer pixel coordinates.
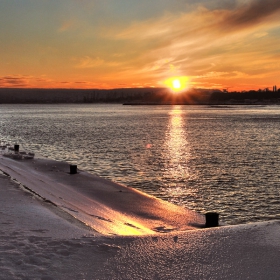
(67, 25)
(27, 81)
(213, 42)
(89, 62)
(251, 13)
(15, 81)
(202, 42)
(187, 25)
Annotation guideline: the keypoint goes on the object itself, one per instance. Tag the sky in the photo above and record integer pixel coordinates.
(221, 44)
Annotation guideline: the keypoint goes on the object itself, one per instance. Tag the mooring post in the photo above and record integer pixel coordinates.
(16, 148)
(73, 169)
(212, 219)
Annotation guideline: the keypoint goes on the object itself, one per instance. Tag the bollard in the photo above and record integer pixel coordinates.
(212, 219)
(16, 147)
(73, 169)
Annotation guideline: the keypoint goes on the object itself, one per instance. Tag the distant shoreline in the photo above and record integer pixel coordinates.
(202, 104)
(137, 96)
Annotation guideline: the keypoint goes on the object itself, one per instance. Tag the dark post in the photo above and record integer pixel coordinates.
(212, 219)
(73, 169)
(16, 147)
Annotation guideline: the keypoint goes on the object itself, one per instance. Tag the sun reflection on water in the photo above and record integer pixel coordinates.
(176, 142)
(177, 153)
(178, 169)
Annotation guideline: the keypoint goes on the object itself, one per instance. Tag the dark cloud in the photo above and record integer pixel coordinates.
(252, 13)
(14, 81)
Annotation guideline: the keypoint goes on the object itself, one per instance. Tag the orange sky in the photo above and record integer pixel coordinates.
(131, 43)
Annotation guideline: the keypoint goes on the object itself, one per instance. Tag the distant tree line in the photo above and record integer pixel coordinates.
(125, 95)
(253, 96)
(17, 95)
(135, 96)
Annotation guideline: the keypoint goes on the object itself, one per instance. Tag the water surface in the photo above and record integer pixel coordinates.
(223, 159)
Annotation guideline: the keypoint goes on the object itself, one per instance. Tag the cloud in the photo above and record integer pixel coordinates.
(204, 43)
(187, 25)
(14, 81)
(95, 62)
(25, 81)
(206, 40)
(251, 13)
(66, 25)
(89, 62)
(260, 34)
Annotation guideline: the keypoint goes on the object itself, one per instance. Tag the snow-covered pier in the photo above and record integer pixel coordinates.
(57, 225)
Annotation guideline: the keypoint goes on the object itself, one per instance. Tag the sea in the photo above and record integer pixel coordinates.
(223, 159)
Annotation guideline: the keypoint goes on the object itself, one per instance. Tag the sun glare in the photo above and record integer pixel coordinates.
(177, 84)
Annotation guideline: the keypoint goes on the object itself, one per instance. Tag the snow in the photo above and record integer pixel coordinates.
(39, 240)
(105, 206)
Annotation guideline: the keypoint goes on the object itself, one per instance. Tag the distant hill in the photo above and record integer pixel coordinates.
(125, 95)
(248, 97)
(136, 96)
(23, 95)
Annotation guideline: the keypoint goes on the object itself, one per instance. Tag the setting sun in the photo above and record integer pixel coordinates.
(177, 84)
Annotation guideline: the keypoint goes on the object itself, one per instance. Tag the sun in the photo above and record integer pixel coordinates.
(177, 84)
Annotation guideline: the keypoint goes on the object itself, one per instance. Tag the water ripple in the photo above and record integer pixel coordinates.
(204, 158)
